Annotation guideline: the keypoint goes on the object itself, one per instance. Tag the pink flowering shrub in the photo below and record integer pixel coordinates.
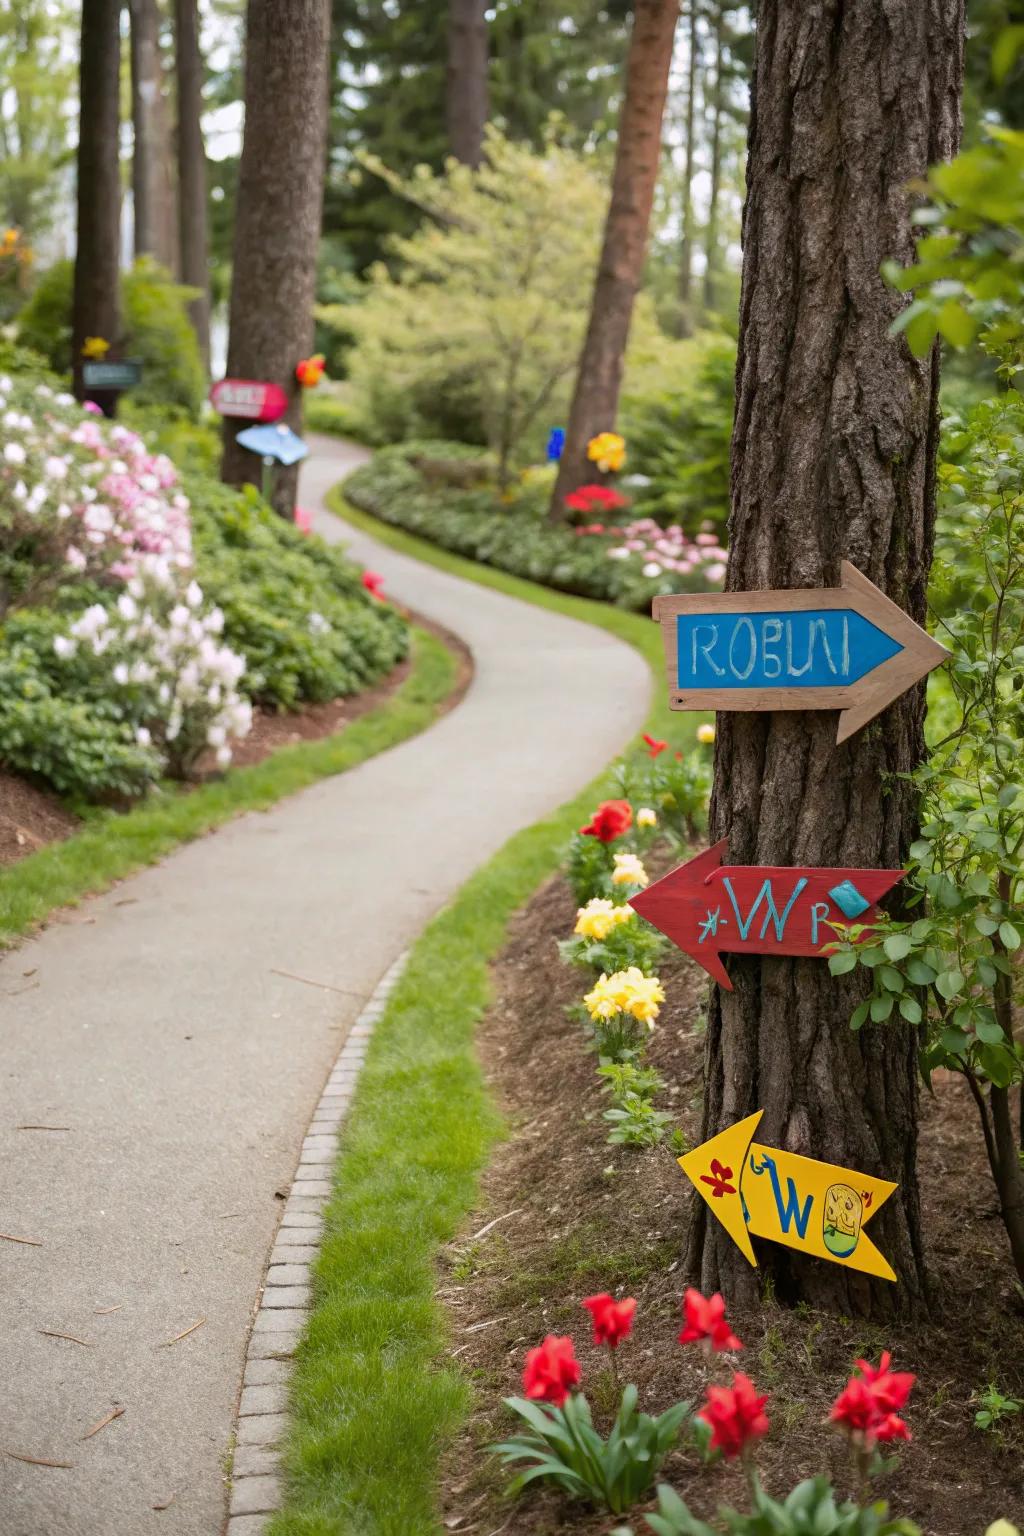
(669, 552)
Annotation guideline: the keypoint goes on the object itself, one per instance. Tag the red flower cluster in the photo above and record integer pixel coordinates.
(654, 747)
(551, 1370)
(705, 1323)
(736, 1415)
(611, 819)
(374, 584)
(868, 1407)
(613, 1320)
(594, 498)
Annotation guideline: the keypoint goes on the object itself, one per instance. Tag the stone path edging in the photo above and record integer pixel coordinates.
(285, 1299)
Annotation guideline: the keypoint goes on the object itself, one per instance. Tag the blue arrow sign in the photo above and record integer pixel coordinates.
(810, 648)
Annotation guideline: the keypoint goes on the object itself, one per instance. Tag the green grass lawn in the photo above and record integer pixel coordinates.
(374, 1400)
(111, 845)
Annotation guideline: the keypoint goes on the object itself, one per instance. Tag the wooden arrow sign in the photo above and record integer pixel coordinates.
(817, 1208)
(706, 907)
(847, 648)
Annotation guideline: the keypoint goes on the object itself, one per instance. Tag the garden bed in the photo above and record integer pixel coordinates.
(574, 1216)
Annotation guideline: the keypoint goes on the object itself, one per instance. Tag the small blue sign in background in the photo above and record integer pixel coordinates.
(809, 648)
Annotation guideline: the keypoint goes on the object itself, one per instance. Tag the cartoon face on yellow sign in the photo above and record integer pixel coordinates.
(818, 1208)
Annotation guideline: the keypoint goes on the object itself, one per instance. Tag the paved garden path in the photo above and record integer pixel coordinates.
(154, 1024)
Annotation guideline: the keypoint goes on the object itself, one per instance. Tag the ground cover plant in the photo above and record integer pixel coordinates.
(447, 493)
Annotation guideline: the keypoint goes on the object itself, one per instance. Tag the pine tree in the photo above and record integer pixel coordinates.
(192, 194)
(95, 303)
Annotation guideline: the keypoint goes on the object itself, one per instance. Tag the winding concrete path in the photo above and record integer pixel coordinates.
(154, 1025)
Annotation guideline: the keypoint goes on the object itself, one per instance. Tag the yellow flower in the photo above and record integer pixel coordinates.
(627, 991)
(608, 451)
(597, 919)
(629, 870)
(645, 817)
(95, 346)
(705, 735)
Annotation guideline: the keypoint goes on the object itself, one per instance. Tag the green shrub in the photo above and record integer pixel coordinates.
(155, 327)
(678, 441)
(194, 447)
(293, 606)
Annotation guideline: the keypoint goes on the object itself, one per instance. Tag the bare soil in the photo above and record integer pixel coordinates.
(32, 815)
(575, 1216)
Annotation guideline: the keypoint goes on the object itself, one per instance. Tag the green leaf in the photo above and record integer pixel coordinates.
(948, 984)
(890, 978)
(897, 946)
(920, 974)
(921, 331)
(1005, 50)
(859, 1016)
(881, 1007)
(844, 961)
(988, 1030)
(1009, 936)
(955, 324)
(910, 1009)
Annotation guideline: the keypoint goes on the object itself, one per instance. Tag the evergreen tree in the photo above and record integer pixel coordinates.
(95, 302)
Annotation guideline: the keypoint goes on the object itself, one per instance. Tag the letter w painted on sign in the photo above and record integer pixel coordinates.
(772, 915)
(790, 1211)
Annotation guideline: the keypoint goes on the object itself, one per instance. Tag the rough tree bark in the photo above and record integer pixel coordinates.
(152, 179)
(192, 218)
(637, 158)
(277, 223)
(466, 95)
(833, 456)
(686, 247)
(95, 307)
(711, 252)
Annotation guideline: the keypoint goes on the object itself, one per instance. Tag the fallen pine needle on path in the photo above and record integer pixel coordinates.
(51, 1333)
(183, 1335)
(39, 1461)
(105, 1311)
(31, 1242)
(115, 1413)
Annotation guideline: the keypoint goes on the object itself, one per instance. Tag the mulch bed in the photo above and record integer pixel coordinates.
(575, 1216)
(31, 815)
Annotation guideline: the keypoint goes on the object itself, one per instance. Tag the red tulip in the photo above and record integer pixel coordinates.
(866, 1407)
(613, 1320)
(892, 1427)
(550, 1370)
(374, 582)
(706, 1324)
(611, 819)
(890, 1389)
(736, 1415)
(654, 746)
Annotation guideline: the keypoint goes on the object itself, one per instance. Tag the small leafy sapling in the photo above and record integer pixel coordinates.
(994, 1407)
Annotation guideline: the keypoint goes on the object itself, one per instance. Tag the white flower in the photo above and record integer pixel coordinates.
(223, 756)
(143, 737)
(318, 625)
(193, 594)
(55, 468)
(75, 558)
(651, 569)
(216, 735)
(126, 606)
(14, 453)
(120, 674)
(65, 647)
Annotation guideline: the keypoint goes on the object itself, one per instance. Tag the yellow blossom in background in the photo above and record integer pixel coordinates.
(95, 347)
(629, 870)
(645, 817)
(597, 919)
(705, 735)
(627, 991)
(608, 451)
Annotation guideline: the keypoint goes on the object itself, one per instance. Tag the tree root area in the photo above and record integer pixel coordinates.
(573, 1216)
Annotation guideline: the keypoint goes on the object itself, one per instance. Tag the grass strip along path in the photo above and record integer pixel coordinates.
(374, 1402)
(113, 845)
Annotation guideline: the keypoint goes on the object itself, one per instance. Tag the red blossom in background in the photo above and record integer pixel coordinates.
(551, 1370)
(736, 1415)
(611, 819)
(866, 1409)
(613, 1320)
(374, 584)
(593, 498)
(653, 745)
(705, 1322)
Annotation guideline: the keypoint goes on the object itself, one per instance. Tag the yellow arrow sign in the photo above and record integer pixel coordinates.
(817, 1208)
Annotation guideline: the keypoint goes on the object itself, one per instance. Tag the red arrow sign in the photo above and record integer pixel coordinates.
(706, 907)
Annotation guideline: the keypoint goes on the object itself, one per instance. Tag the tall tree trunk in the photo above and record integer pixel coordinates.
(686, 248)
(833, 457)
(192, 219)
(152, 181)
(466, 98)
(637, 159)
(711, 252)
(95, 304)
(277, 223)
